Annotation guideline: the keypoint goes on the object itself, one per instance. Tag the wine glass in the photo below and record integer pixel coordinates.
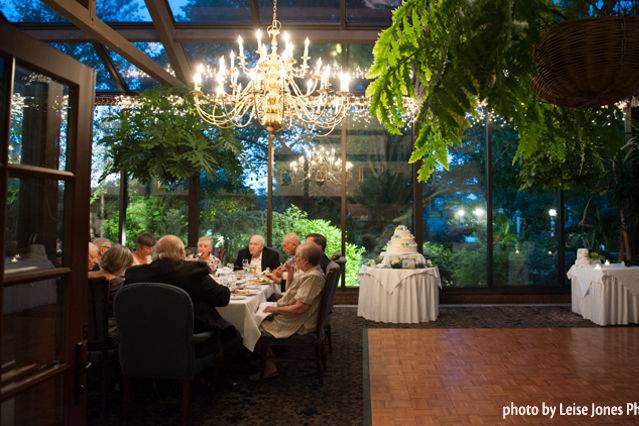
(245, 265)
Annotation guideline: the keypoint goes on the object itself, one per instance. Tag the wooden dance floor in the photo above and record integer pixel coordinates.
(467, 376)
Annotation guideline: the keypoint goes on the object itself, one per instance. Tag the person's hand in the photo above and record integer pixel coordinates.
(270, 309)
(271, 276)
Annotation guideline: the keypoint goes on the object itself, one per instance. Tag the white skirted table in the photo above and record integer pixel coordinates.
(605, 294)
(399, 295)
(242, 313)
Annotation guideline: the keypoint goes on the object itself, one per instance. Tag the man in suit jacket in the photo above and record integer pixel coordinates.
(258, 255)
(170, 268)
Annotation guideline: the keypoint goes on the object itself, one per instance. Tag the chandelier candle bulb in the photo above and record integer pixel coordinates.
(258, 37)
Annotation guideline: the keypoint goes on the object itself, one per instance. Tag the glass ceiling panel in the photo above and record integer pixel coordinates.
(29, 11)
(122, 11)
(85, 53)
(208, 53)
(211, 11)
(135, 78)
(300, 11)
(154, 50)
(374, 13)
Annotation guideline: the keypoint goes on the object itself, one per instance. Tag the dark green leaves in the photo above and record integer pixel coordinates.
(164, 138)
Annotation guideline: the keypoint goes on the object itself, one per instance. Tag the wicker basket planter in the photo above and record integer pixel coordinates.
(588, 62)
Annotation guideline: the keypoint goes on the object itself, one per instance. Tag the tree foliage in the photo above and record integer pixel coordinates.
(451, 55)
(163, 137)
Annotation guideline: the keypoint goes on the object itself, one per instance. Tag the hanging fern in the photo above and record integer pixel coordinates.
(163, 138)
(450, 55)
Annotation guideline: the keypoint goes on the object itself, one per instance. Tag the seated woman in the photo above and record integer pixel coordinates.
(145, 243)
(204, 254)
(112, 266)
(297, 310)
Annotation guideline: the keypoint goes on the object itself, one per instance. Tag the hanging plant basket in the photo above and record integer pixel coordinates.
(588, 62)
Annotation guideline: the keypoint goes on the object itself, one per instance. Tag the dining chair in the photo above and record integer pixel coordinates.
(156, 339)
(317, 338)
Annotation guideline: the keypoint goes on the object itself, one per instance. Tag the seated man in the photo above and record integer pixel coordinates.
(258, 255)
(169, 267)
(297, 310)
(103, 244)
(320, 240)
(285, 272)
(93, 258)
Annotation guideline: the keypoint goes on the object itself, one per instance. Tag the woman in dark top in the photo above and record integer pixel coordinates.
(112, 266)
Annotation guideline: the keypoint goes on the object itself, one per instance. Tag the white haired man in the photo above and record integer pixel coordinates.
(290, 242)
(169, 267)
(258, 255)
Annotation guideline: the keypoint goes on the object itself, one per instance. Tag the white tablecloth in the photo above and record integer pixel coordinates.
(605, 295)
(399, 295)
(241, 313)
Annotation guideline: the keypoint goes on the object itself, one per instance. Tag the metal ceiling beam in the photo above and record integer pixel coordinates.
(193, 33)
(342, 14)
(163, 22)
(120, 84)
(99, 31)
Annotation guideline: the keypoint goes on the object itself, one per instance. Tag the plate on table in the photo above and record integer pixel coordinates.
(237, 297)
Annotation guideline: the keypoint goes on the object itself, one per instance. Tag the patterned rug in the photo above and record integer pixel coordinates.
(295, 397)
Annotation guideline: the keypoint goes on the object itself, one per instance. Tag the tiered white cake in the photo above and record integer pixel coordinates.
(402, 242)
(402, 247)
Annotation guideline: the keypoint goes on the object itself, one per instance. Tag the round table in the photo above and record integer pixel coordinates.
(399, 295)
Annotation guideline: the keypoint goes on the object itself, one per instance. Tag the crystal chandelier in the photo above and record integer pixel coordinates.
(322, 166)
(270, 91)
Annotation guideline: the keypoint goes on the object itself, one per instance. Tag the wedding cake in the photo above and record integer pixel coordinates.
(402, 242)
(401, 250)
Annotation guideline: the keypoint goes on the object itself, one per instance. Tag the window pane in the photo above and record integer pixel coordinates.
(29, 11)
(231, 209)
(39, 120)
(156, 51)
(34, 233)
(525, 222)
(85, 53)
(122, 11)
(307, 194)
(156, 208)
(41, 405)
(370, 12)
(135, 78)
(105, 194)
(379, 190)
(32, 325)
(211, 11)
(455, 214)
(360, 59)
(592, 222)
(304, 11)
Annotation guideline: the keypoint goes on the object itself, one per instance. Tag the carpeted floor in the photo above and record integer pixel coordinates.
(295, 398)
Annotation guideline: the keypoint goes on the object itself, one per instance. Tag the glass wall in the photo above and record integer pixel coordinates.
(232, 208)
(105, 190)
(379, 190)
(454, 214)
(525, 226)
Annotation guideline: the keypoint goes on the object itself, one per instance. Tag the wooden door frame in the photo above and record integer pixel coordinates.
(17, 48)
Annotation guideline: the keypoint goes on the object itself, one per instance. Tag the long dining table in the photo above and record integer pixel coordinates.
(242, 311)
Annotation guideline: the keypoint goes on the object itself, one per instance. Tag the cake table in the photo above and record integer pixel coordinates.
(399, 295)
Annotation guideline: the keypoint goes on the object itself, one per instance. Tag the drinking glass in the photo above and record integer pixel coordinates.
(245, 265)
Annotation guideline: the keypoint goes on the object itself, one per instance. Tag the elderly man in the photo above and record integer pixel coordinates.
(169, 267)
(93, 257)
(258, 255)
(103, 245)
(320, 240)
(296, 311)
(290, 242)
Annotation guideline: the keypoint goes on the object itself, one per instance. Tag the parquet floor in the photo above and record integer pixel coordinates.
(467, 376)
